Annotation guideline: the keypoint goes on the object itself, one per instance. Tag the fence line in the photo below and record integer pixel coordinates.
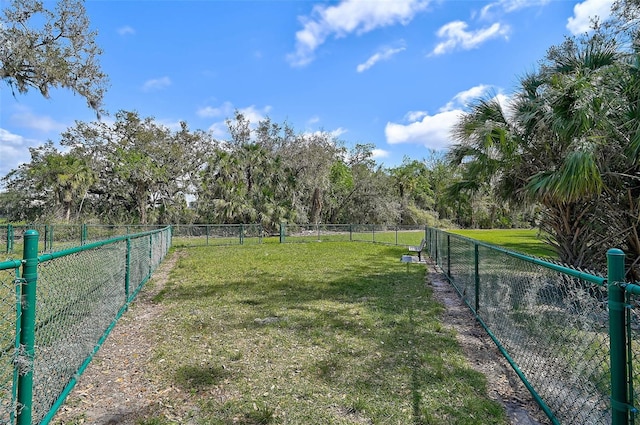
(56, 309)
(570, 335)
(63, 236)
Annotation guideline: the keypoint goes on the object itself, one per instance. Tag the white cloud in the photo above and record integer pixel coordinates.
(346, 17)
(584, 12)
(379, 153)
(156, 84)
(384, 54)
(313, 120)
(126, 30)
(14, 150)
(253, 114)
(338, 132)
(507, 6)
(333, 133)
(224, 110)
(415, 115)
(23, 117)
(172, 125)
(434, 131)
(455, 36)
(219, 130)
(462, 99)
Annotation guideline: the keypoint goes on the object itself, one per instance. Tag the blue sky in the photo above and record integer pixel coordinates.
(393, 73)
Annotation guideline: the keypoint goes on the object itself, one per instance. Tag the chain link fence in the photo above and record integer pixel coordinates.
(57, 237)
(9, 338)
(187, 235)
(549, 321)
(385, 234)
(633, 343)
(53, 323)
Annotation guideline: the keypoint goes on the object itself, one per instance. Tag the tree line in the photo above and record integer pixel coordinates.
(136, 170)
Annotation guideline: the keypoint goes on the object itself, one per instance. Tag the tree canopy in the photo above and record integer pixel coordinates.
(568, 142)
(43, 49)
(135, 170)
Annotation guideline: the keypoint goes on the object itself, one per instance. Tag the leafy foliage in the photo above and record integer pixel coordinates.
(135, 170)
(568, 142)
(45, 49)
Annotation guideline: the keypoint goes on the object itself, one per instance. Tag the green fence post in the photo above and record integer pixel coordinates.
(436, 245)
(127, 271)
(83, 234)
(260, 230)
(9, 238)
(476, 261)
(150, 257)
(241, 234)
(282, 232)
(618, 342)
(449, 255)
(351, 233)
(47, 236)
(396, 235)
(207, 231)
(26, 355)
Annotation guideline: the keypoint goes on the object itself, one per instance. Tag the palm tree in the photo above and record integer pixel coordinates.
(551, 146)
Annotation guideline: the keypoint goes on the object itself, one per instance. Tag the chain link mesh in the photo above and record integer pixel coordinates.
(78, 297)
(4, 230)
(634, 347)
(9, 317)
(553, 326)
(217, 234)
(80, 293)
(317, 233)
(391, 235)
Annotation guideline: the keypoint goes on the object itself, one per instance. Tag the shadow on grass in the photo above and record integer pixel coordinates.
(375, 323)
(198, 377)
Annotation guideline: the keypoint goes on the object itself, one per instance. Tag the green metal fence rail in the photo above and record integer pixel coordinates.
(391, 234)
(188, 235)
(56, 309)
(571, 336)
(57, 237)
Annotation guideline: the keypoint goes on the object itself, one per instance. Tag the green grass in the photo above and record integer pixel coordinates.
(526, 241)
(318, 333)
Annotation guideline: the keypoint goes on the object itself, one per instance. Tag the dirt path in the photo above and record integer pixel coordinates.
(483, 355)
(115, 388)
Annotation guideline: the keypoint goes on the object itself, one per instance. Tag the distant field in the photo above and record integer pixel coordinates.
(526, 241)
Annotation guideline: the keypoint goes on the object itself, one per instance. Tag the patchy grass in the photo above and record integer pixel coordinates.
(318, 333)
(526, 241)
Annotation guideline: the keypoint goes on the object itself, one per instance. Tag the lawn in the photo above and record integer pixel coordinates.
(526, 241)
(317, 333)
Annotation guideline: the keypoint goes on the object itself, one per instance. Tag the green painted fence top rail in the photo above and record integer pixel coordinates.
(11, 264)
(631, 288)
(93, 245)
(556, 267)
